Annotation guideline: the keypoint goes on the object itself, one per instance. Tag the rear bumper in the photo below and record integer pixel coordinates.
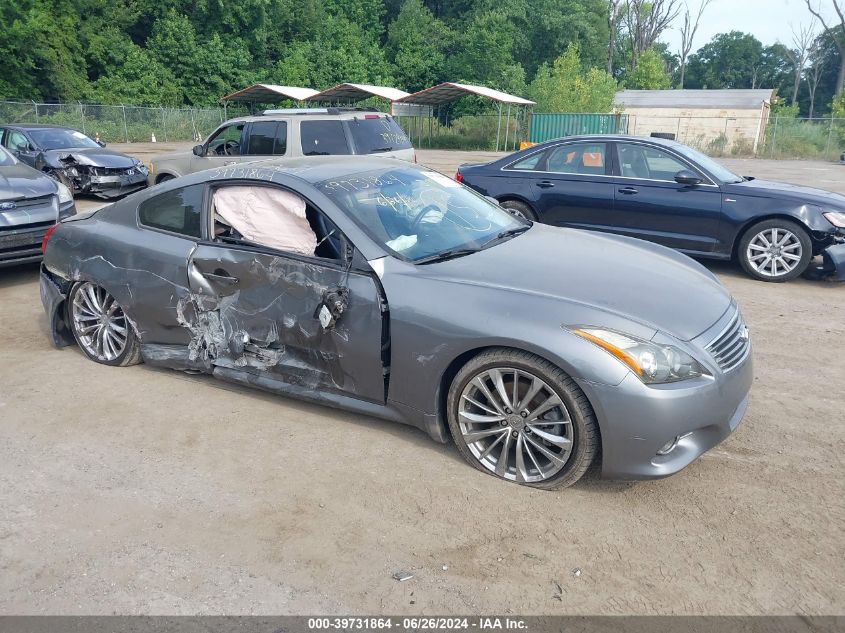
(53, 295)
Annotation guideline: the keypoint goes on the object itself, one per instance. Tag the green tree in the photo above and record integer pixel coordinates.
(416, 45)
(650, 73)
(566, 87)
(729, 60)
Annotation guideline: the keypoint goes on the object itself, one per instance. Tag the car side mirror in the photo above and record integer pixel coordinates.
(687, 177)
(101, 143)
(21, 148)
(199, 150)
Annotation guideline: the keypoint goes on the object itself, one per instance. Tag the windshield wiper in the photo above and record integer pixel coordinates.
(508, 233)
(450, 254)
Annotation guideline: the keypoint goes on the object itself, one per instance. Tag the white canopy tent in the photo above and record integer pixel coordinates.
(267, 93)
(350, 93)
(450, 91)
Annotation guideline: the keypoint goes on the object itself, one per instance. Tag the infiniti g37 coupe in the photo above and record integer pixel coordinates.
(387, 289)
(665, 192)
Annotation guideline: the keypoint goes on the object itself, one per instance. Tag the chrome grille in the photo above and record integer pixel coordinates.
(732, 345)
(28, 203)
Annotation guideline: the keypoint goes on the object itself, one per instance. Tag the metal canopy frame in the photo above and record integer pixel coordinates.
(451, 91)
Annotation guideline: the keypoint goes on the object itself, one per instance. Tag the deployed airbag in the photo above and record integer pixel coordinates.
(267, 216)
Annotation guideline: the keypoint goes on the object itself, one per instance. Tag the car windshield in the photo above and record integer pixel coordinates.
(421, 215)
(58, 138)
(6, 158)
(708, 164)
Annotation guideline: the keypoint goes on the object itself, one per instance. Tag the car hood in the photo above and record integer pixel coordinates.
(639, 281)
(22, 181)
(92, 156)
(786, 191)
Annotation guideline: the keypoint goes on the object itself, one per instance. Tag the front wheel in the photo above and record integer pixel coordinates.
(775, 250)
(518, 417)
(519, 209)
(101, 327)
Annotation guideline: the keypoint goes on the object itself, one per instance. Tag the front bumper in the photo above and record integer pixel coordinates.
(636, 420)
(832, 267)
(115, 185)
(22, 245)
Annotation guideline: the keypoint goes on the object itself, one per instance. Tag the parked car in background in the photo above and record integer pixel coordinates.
(666, 192)
(30, 203)
(80, 163)
(290, 133)
(378, 286)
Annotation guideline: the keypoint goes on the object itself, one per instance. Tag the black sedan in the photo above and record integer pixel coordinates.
(666, 192)
(30, 203)
(80, 163)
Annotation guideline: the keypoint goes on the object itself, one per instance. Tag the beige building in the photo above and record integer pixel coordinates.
(716, 121)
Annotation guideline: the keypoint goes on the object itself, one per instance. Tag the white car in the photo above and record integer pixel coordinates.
(291, 133)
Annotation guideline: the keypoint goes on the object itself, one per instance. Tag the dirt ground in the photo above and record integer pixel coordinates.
(140, 490)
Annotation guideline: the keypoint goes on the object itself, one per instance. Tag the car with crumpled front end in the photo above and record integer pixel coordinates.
(30, 203)
(80, 163)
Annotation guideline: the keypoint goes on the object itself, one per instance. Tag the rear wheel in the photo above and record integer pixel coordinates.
(775, 250)
(100, 326)
(520, 418)
(519, 209)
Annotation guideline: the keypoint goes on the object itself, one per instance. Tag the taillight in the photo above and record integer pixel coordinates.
(47, 237)
(459, 176)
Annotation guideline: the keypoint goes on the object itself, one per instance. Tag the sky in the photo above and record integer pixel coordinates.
(768, 20)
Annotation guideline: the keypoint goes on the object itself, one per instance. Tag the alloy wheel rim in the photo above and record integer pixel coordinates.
(99, 322)
(515, 212)
(774, 252)
(515, 424)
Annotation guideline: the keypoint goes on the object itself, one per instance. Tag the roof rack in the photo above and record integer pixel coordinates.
(304, 111)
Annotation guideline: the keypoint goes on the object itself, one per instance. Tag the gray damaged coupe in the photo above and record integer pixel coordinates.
(383, 288)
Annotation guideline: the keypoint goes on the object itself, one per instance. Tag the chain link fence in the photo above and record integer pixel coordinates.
(118, 124)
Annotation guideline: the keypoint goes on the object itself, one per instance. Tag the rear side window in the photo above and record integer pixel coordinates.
(527, 164)
(177, 211)
(379, 134)
(577, 158)
(268, 138)
(323, 138)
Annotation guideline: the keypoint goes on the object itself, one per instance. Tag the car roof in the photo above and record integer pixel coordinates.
(319, 114)
(314, 170)
(36, 126)
(608, 137)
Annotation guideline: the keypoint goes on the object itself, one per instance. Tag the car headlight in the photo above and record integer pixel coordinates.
(651, 362)
(141, 167)
(836, 218)
(65, 195)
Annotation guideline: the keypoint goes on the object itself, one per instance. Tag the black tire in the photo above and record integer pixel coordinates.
(800, 242)
(62, 178)
(519, 209)
(583, 430)
(164, 178)
(131, 352)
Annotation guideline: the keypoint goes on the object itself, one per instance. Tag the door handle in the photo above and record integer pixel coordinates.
(545, 184)
(221, 277)
(628, 190)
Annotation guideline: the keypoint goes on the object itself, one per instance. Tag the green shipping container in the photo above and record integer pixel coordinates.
(545, 127)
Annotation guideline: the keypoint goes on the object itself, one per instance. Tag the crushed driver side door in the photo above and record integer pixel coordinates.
(261, 312)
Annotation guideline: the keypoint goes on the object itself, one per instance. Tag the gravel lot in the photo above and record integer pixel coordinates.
(140, 490)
